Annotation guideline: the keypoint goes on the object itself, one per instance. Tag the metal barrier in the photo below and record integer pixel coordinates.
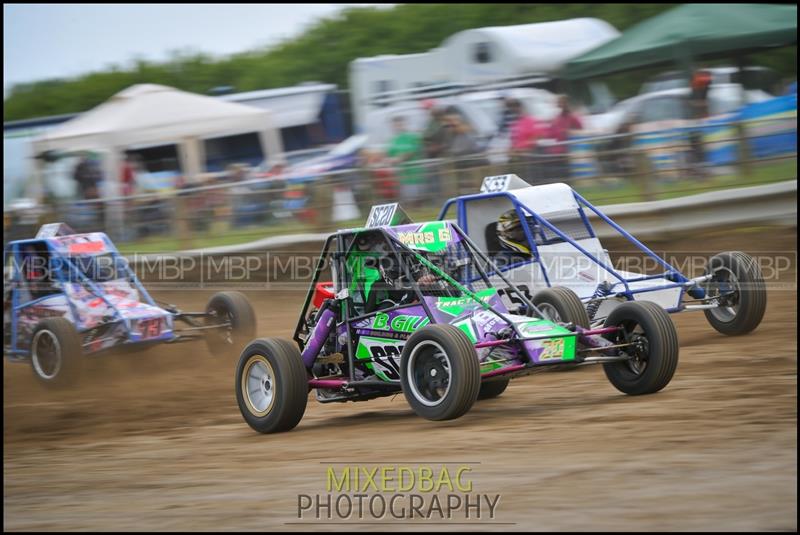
(607, 169)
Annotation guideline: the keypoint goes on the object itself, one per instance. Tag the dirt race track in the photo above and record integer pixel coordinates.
(156, 441)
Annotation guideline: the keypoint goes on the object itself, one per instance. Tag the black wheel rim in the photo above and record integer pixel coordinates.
(222, 317)
(429, 373)
(724, 288)
(637, 347)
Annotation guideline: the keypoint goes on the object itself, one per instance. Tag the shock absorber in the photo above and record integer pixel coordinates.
(603, 289)
(319, 334)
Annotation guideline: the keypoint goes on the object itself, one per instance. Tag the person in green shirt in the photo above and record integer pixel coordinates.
(405, 149)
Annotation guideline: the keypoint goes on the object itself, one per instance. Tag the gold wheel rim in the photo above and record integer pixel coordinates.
(258, 385)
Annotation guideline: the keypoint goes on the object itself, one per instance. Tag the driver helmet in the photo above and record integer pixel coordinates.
(511, 234)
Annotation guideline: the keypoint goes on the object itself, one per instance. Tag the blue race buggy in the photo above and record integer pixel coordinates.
(541, 236)
(67, 295)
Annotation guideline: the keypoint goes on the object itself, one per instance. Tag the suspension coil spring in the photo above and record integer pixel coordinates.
(603, 289)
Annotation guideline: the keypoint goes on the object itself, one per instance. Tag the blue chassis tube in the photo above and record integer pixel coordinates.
(672, 274)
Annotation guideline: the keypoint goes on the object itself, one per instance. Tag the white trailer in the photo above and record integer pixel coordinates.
(481, 58)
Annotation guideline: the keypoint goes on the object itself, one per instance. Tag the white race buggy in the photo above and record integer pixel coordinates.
(559, 247)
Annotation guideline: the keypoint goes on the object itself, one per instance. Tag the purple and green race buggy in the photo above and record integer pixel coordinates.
(395, 318)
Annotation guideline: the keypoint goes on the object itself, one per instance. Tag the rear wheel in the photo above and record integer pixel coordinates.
(561, 305)
(492, 389)
(440, 373)
(271, 385)
(56, 353)
(234, 315)
(653, 348)
(738, 286)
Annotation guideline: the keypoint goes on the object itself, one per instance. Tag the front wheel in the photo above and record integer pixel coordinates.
(738, 286)
(271, 385)
(440, 373)
(235, 322)
(651, 343)
(56, 353)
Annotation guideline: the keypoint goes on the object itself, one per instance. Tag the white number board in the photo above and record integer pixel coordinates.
(381, 215)
(497, 183)
(51, 230)
(493, 184)
(387, 215)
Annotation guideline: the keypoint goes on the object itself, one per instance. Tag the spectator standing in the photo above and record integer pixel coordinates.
(404, 151)
(698, 103)
(435, 137)
(701, 83)
(435, 141)
(463, 148)
(88, 176)
(130, 168)
(560, 128)
(127, 180)
(525, 133)
(507, 115)
(383, 179)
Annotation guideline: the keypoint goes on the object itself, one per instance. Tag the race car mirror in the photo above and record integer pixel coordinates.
(382, 215)
(51, 230)
(497, 183)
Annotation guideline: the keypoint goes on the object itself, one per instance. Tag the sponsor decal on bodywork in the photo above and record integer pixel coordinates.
(455, 306)
(405, 323)
(382, 356)
(431, 237)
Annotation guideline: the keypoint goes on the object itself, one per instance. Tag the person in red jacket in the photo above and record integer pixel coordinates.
(524, 132)
(560, 128)
(698, 104)
(128, 175)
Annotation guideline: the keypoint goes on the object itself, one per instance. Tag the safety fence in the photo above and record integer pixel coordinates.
(637, 166)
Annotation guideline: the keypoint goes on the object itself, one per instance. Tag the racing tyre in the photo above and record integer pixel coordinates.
(439, 372)
(56, 353)
(492, 389)
(233, 309)
(654, 352)
(739, 286)
(271, 385)
(561, 305)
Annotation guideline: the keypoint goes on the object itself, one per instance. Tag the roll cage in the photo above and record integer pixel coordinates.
(338, 247)
(540, 231)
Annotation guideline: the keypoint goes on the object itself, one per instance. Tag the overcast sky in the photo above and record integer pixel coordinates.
(46, 41)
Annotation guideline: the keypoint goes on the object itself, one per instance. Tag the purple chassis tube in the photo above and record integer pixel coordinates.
(320, 333)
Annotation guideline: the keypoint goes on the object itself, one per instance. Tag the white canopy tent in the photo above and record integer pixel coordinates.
(151, 114)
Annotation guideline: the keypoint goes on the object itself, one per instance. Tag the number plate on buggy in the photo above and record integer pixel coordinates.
(553, 349)
(150, 328)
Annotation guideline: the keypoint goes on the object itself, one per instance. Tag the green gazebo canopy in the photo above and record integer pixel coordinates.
(691, 31)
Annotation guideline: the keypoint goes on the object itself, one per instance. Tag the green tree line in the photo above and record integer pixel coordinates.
(323, 52)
